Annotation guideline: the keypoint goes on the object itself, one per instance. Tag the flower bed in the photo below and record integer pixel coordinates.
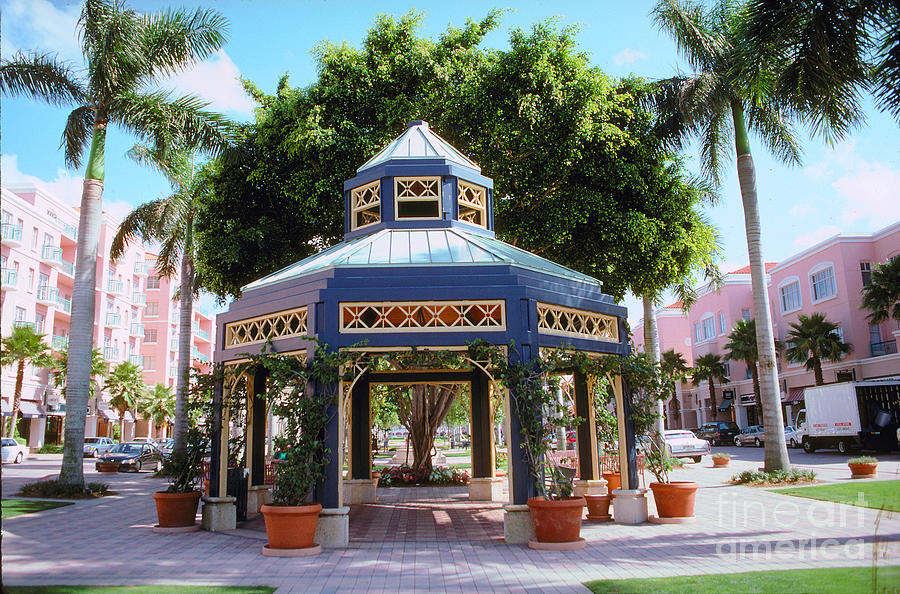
(394, 476)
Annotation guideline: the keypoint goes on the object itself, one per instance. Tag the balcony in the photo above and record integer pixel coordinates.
(115, 287)
(68, 230)
(173, 344)
(141, 269)
(111, 354)
(878, 349)
(10, 278)
(67, 268)
(52, 255)
(139, 299)
(136, 360)
(59, 343)
(114, 320)
(203, 335)
(26, 324)
(63, 305)
(47, 295)
(12, 235)
(137, 330)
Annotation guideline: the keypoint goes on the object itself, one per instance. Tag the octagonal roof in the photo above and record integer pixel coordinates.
(419, 142)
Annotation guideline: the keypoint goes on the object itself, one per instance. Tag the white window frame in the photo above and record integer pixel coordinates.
(461, 202)
(792, 280)
(749, 315)
(698, 336)
(357, 206)
(711, 319)
(147, 286)
(722, 327)
(438, 199)
(839, 332)
(823, 267)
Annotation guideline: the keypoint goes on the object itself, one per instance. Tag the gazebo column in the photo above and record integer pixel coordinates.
(590, 481)
(482, 486)
(257, 491)
(630, 504)
(333, 528)
(219, 512)
(361, 487)
(517, 525)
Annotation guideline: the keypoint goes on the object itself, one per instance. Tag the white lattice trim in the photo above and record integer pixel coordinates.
(282, 324)
(566, 321)
(409, 190)
(418, 316)
(365, 205)
(472, 201)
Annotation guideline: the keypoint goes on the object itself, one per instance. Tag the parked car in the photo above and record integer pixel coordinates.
(752, 435)
(94, 446)
(13, 451)
(133, 455)
(145, 440)
(684, 444)
(719, 432)
(792, 436)
(166, 447)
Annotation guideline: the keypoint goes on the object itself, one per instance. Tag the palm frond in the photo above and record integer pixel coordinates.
(143, 222)
(715, 144)
(116, 62)
(175, 38)
(685, 21)
(886, 74)
(173, 163)
(41, 76)
(170, 254)
(774, 129)
(77, 134)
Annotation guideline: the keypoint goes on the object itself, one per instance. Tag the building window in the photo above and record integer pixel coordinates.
(150, 335)
(709, 328)
(20, 314)
(152, 282)
(874, 334)
(748, 374)
(746, 315)
(472, 202)
(152, 309)
(865, 270)
(149, 363)
(30, 279)
(727, 366)
(39, 322)
(839, 332)
(417, 197)
(365, 205)
(697, 336)
(790, 297)
(722, 323)
(822, 283)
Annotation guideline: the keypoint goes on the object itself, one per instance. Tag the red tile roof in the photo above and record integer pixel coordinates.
(746, 269)
(677, 305)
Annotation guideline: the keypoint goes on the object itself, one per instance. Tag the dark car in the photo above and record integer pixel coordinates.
(719, 432)
(132, 455)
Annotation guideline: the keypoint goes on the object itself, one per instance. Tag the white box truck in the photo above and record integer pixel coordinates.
(862, 414)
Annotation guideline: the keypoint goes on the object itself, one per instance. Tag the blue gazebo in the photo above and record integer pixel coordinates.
(420, 267)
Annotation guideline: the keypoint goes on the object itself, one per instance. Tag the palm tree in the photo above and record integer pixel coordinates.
(125, 383)
(709, 367)
(882, 295)
(741, 346)
(728, 96)
(59, 372)
(159, 405)
(672, 363)
(170, 221)
(125, 52)
(23, 346)
(814, 339)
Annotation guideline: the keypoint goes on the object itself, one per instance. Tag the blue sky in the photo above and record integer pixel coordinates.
(849, 188)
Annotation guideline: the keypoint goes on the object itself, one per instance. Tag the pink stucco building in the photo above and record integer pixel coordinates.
(826, 278)
(39, 234)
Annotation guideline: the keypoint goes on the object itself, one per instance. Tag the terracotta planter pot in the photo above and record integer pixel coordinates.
(675, 499)
(291, 527)
(613, 482)
(176, 510)
(556, 521)
(598, 507)
(863, 469)
(721, 462)
(108, 468)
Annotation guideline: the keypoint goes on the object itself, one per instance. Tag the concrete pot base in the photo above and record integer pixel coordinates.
(863, 476)
(575, 545)
(305, 552)
(176, 530)
(605, 518)
(658, 520)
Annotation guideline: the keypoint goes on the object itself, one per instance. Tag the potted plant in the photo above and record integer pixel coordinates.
(176, 507)
(862, 466)
(721, 459)
(674, 499)
(607, 438)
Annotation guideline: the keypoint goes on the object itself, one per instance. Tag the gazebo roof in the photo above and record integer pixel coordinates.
(420, 247)
(420, 143)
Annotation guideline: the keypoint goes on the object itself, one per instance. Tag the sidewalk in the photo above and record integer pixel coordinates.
(108, 541)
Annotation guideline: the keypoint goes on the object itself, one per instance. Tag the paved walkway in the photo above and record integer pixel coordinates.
(108, 541)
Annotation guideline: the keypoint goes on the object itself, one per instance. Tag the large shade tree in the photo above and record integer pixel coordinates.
(125, 53)
(25, 345)
(813, 339)
(422, 409)
(729, 95)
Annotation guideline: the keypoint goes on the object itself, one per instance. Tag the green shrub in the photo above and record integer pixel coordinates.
(53, 489)
(50, 448)
(721, 456)
(863, 460)
(777, 477)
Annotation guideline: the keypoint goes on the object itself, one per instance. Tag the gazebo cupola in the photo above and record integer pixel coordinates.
(418, 181)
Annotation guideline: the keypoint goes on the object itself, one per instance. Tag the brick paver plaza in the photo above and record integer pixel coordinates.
(412, 541)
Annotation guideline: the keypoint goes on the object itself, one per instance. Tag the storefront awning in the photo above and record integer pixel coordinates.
(727, 400)
(748, 400)
(7, 409)
(109, 415)
(30, 410)
(58, 411)
(794, 395)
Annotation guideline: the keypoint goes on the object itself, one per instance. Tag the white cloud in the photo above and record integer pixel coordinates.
(628, 56)
(872, 191)
(41, 26)
(801, 210)
(65, 186)
(216, 81)
(809, 239)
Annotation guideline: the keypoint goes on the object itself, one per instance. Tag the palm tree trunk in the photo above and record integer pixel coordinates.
(817, 371)
(712, 398)
(17, 397)
(651, 347)
(81, 331)
(776, 455)
(184, 341)
(755, 374)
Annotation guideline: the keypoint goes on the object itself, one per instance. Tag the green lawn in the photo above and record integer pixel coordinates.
(837, 580)
(17, 507)
(140, 589)
(875, 494)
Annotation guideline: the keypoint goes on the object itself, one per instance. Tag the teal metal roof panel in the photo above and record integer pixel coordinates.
(419, 142)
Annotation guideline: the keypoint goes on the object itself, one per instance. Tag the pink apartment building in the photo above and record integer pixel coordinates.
(39, 235)
(826, 278)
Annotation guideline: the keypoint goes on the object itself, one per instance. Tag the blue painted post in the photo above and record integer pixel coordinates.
(630, 442)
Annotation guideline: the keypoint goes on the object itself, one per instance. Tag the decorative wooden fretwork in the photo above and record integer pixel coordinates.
(365, 205)
(472, 201)
(417, 197)
(431, 316)
(565, 321)
(282, 324)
